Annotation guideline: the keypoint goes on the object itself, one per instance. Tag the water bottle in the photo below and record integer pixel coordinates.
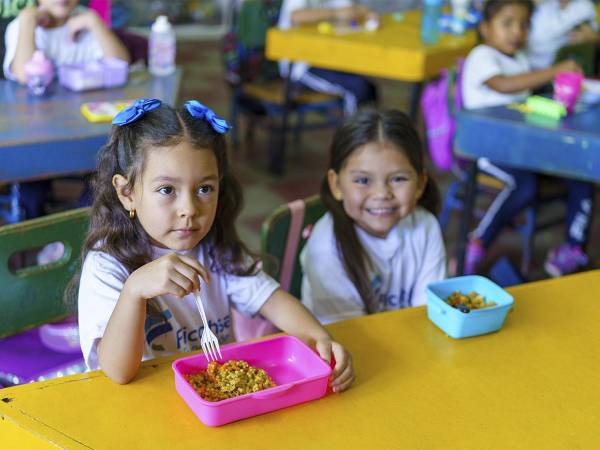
(460, 8)
(39, 73)
(430, 29)
(161, 52)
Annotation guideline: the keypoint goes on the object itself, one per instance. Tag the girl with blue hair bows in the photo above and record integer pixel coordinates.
(162, 227)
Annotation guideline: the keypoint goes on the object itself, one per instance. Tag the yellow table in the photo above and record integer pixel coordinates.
(533, 385)
(394, 51)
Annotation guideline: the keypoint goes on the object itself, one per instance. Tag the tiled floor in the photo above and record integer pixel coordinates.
(306, 163)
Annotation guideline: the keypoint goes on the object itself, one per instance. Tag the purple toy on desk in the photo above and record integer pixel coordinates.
(105, 73)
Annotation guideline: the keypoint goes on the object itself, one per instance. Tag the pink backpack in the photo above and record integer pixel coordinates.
(440, 101)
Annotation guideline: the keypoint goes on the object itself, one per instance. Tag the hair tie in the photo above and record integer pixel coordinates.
(135, 111)
(199, 111)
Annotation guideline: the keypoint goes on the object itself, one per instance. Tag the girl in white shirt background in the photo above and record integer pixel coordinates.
(496, 73)
(380, 243)
(556, 23)
(162, 227)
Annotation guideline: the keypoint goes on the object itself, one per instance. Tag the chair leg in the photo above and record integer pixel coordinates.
(298, 129)
(528, 233)
(450, 203)
(233, 117)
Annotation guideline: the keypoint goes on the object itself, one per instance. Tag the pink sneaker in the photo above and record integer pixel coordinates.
(565, 259)
(474, 256)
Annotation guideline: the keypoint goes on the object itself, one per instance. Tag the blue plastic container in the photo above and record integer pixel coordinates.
(457, 324)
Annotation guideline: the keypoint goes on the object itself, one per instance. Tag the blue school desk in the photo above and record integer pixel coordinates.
(567, 148)
(532, 385)
(46, 137)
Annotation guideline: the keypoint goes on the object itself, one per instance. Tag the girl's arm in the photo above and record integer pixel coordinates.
(288, 314)
(111, 46)
(28, 20)
(121, 348)
(307, 16)
(530, 80)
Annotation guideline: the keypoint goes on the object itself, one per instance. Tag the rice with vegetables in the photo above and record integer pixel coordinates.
(231, 379)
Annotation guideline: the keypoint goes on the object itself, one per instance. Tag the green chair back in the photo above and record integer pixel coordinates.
(583, 54)
(33, 295)
(255, 17)
(275, 234)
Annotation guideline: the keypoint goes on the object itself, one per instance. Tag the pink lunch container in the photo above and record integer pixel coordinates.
(299, 373)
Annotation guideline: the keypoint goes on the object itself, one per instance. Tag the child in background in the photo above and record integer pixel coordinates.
(67, 34)
(163, 218)
(380, 243)
(498, 73)
(556, 23)
(354, 89)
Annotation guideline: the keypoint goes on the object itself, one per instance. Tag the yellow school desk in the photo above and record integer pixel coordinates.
(395, 51)
(533, 385)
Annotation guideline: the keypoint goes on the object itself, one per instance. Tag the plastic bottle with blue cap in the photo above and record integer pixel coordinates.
(430, 28)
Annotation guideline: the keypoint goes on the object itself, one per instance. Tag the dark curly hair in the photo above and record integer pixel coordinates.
(365, 127)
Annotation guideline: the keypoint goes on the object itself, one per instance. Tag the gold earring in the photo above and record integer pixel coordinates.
(132, 213)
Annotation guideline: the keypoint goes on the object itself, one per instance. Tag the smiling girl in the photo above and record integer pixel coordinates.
(380, 243)
(162, 227)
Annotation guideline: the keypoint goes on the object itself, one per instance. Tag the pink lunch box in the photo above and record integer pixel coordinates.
(299, 373)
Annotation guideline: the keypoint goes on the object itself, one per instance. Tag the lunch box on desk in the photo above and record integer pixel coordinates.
(105, 73)
(458, 324)
(299, 373)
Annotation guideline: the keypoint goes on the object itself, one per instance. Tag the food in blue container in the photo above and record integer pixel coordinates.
(465, 321)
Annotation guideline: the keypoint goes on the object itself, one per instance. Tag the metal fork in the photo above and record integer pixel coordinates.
(208, 341)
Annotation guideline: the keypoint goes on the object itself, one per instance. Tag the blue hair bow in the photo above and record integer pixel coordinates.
(199, 111)
(135, 111)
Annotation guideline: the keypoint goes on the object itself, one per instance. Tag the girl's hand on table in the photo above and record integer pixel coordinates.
(170, 274)
(343, 372)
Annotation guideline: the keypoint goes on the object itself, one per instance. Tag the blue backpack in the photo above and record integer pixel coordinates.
(440, 101)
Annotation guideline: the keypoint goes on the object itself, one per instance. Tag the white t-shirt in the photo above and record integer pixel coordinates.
(550, 27)
(410, 257)
(483, 63)
(285, 22)
(103, 277)
(56, 44)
